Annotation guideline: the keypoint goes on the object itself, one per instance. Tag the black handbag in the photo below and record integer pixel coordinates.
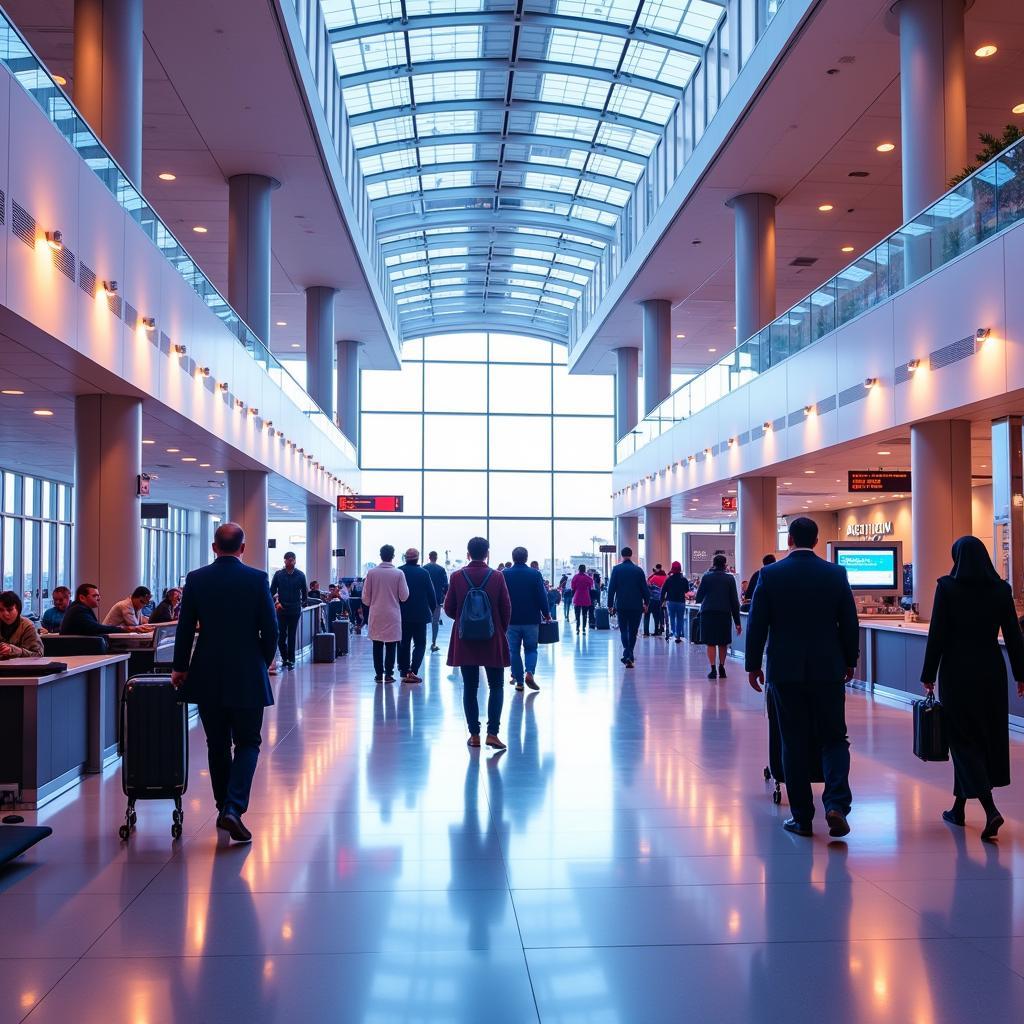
(695, 629)
(930, 742)
(547, 632)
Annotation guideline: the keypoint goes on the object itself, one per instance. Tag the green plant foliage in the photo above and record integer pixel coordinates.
(992, 146)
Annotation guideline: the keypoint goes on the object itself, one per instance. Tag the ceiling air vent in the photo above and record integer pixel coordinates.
(847, 60)
(804, 261)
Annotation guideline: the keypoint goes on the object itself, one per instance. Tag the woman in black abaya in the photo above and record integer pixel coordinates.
(972, 604)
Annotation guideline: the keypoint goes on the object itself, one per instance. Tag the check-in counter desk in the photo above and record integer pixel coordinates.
(147, 652)
(55, 728)
(309, 625)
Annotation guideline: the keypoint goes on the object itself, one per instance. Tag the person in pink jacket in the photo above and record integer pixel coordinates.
(581, 601)
(384, 591)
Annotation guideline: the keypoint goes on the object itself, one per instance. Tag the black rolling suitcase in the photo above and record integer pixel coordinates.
(323, 647)
(774, 769)
(340, 629)
(154, 747)
(601, 620)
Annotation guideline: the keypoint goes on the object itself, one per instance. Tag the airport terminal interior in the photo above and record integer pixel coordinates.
(375, 279)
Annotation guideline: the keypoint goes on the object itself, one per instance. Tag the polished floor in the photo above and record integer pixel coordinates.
(621, 862)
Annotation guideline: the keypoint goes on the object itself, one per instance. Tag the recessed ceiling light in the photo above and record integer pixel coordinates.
(42, 412)
(787, 483)
(167, 176)
(146, 440)
(219, 471)
(281, 323)
(810, 472)
(885, 453)
(199, 229)
(1018, 109)
(189, 458)
(712, 349)
(60, 80)
(173, 451)
(847, 248)
(13, 391)
(986, 51)
(204, 465)
(885, 147)
(825, 207)
(295, 344)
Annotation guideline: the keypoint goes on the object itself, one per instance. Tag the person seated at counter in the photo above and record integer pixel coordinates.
(18, 637)
(80, 618)
(54, 615)
(127, 613)
(167, 609)
(315, 593)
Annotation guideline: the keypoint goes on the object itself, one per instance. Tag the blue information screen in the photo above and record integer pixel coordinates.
(867, 568)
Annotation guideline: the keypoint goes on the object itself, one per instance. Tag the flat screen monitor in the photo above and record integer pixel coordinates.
(870, 566)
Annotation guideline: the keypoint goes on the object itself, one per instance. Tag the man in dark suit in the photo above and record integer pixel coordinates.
(417, 610)
(803, 609)
(227, 674)
(628, 595)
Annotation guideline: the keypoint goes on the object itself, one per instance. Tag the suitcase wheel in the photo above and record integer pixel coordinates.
(777, 796)
(767, 774)
(177, 817)
(124, 832)
(175, 831)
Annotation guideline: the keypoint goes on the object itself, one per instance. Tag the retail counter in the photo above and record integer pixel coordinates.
(55, 728)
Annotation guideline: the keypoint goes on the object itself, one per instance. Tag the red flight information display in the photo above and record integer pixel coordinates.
(370, 502)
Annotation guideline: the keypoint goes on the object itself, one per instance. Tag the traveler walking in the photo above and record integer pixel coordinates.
(751, 585)
(803, 610)
(595, 597)
(972, 604)
(416, 612)
(290, 593)
(719, 602)
(628, 594)
(581, 585)
(226, 674)
(554, 599)
(673, 597)
(439, 577)
(529, 607)
(565, 593)
(478, 604)
(384, 590)
(655, 608)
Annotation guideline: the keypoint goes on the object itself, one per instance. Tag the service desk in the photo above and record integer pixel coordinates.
(309, 625)
(147, 652)
(55, 728)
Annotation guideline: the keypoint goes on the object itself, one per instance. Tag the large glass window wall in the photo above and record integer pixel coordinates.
(488, 434)
(165, 551)
(35, 538)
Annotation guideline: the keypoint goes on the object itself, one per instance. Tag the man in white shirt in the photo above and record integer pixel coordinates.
(128, 613)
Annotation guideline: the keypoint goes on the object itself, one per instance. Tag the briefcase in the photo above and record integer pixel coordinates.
(930, 742)
(547, 632)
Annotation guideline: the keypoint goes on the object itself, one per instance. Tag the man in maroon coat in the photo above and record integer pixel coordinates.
(492, 655)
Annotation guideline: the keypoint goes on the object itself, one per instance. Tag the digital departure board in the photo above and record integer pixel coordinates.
(370, 502)
(877, 481)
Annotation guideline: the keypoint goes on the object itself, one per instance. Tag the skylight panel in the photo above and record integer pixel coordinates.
(446, 154)
(613, 167)
(587, 48)
(415, 7)
(688, 19)
(597, 216)
(578, 92)
(565, 126)
(634, 102)
(397, 187)
(659, 64)
(355, 55)
(573, 158)
(343, 13)
(380, 132)
(377, 95)
(604, 193)
(629, 139)
(383, 162)
(549, 182)
(454, 42)
(454, 179)
(620, 12)
(454, 122)
(448, 85)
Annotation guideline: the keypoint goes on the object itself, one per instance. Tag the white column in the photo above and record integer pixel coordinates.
(348, 539)
(627, 533)
(757, 522)
(108, 516)
(320, 347)
(657, 536)
(1008, 503)
(657, 342)
(348, 389)
(247, 506)
(249, 250)
(940, 500)
(626, 382)
(754, 223)
(318, 544)
(108, 76)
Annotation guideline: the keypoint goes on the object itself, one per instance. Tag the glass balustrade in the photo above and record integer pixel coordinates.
(991, 199)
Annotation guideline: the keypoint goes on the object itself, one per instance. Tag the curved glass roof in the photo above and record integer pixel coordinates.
(500, 141)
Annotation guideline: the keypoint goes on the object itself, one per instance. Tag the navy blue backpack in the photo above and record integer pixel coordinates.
(475, 619)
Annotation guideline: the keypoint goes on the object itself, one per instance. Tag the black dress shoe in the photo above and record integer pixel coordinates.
(992, 826)
(713, 674)
(721, 671)
(953, 818)
(838, 826)
(798, 828)
(232, 824)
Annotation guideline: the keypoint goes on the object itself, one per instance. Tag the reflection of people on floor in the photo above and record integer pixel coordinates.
(382, 758)
(526, 774)
(473, 840)
(717, 743)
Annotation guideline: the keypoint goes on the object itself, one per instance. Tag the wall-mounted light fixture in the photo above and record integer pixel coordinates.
(203, 371)
(239, 404)
(913, 365)
(110, 287)
(808, 409)
(870, 382)
(181, 350)
(149, 322)
(55, 240)
(767, 425)
(270, 425)
(253, 411)
(707, 452)
(223, 385)
(983, 333)
(732, 441)
(690, 458)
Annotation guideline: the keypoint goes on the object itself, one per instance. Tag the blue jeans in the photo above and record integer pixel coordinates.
(629, 623)
(676, 617)
(527, 636)
(495, 697)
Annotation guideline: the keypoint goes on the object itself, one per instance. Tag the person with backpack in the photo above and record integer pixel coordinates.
(654, 606)
(479, 606)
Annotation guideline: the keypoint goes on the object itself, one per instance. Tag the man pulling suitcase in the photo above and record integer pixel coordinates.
(227, 674)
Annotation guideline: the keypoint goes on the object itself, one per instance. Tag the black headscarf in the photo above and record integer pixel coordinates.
(971, 562)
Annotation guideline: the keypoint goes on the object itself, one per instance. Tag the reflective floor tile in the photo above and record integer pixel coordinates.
(23, 983)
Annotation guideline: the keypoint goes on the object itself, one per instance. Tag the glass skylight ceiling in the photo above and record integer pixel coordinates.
(500, 140)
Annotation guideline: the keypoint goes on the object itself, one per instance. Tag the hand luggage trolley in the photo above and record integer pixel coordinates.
(154, 747)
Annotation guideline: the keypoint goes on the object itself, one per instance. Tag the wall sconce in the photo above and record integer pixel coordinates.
(707, 453)
(870, 382)
(767, 425)
(690, 458)
(181, 350)
(732, 441)
(302, 451)
(253, 411)
(149, 322)
(913, 365)
(203, 371)
(55, 240)
(982, 333)
(110, 287)
(309, 455)
(270, 425)
(808, 409)
(223, 385)
(239, 404)
(280, 433)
